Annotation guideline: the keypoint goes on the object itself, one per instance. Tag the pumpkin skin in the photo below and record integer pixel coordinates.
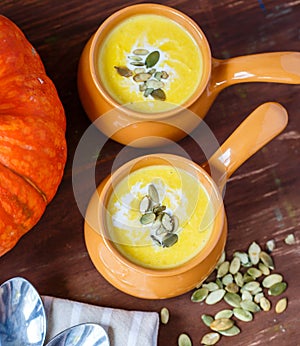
(32, 136)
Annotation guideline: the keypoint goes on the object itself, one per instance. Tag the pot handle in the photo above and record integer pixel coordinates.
(260, 127)
(276, 67)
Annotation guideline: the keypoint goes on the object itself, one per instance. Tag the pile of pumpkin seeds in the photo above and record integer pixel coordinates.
(163, 225)
(149, 79)
(245, 284)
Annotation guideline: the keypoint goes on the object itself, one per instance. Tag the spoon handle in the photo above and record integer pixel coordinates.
(260, 127)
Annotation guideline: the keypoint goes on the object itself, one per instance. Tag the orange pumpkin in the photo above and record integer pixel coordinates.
(32, 136)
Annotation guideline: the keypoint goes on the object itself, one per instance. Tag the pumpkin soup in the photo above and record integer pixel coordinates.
(159, 216)
(150, 63)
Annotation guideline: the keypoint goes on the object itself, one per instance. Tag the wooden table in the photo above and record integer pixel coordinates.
(262, 198)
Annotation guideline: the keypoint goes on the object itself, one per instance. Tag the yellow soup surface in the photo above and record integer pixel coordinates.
(179, 57)
(183, 196)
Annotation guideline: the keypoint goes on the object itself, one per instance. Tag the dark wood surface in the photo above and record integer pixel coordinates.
(262, 198)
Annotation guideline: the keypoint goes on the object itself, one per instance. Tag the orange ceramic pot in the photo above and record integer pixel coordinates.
(147, 130)
(260, 127)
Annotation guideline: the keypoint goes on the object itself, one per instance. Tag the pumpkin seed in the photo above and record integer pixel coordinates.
(158, 94)
(135, 58)
(164, 75)
(167, 222)
(137, 63)
(247, 278)
(152, 59)
(148, 91)
(246, 295)
(215, 296)
(221, 324)
(233, 299)
(153, 194)
(143, 87)
(234, 330)
(249, 306)
(281, 305)
(145, 205)
(226, 313)
(221, 259)
(251, 286)
(243, 315)
(207, 319)
(232, 287)
(290, 239)
(199, 295)
(169, 239)
(211, 286)
(152, 71)
(277, 289)
(235, 265)
(223, 269)
(258, 297)
(141, 77)
(140, 51)
(164, 315)
(158, 75)
(147, 218)
(265, 304)
(267, 260)
(264, 269)
(219, 283)
(123, 71)
(139, 69)
(254, 272)
(238, 278)
(254, 251)
(242, 256)
(184, 340)
(257, 290)
(227, 279)
(272, 279)
(210, 338)
(270, 245)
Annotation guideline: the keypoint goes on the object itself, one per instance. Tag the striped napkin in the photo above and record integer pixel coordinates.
(124, 328)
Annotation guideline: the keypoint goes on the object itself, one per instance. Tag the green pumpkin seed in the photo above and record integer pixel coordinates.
(223, 269)
(167, 222)
(210, 339)
(147, 218)
(199, 295)
(153, 194)
(243, 315)
(221, 259)
(257, 290)
(123, 71)
(227, 279)
(251, 286)
(135, 58)
(139, 70)
(246, 295)
(221, 324)
(290, 239)
(184, 340)
(141, 77)
(152, 59)
(148, 91)
(211, 286)
(270, 245)
(277, 289)
(242, 256)
(249, 306)
(158, 75)
(272, 279)
(215, 296)
(158, 94)
(264, 269)
(233, 299)
(232, 287)
(247, 278)
(281, 305)
(169, 239)
(140, 51)
(235, 265)
(226, 313)
(254, 252)
(207, 319)
(145, 205)
(267, 260)
(254, 272)
(234, 330)
(219, 283)
(265, 304)
(238, 278)
(258, 297)
(137, 63)
(164, 315)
